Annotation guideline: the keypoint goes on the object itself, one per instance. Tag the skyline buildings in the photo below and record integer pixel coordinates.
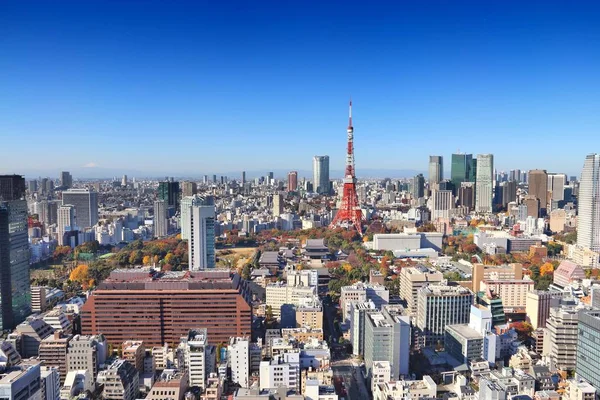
(321, 183)
(201, 244)
(588, 229)
(436, 170)
(15, 292)
(160, 219)
(462, 169)
(538, 187)
(86, 206)
(484, 183)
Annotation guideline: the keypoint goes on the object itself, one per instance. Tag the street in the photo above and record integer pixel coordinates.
(349, 377)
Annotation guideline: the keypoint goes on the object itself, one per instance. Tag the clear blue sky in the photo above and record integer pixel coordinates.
(222, 86)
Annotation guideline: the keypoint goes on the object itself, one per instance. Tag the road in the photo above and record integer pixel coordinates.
(354, 384)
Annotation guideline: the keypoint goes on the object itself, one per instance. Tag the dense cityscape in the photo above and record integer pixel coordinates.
(480, 285)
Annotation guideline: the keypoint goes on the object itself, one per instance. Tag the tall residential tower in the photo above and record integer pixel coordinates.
(588, 221)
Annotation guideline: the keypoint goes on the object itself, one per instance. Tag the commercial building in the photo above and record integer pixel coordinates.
(361, 292)
(411, 280)
(279, 294)
(171, 385)
(588, 204)
(538, 187)
(484, 186)
(189, 188)
(442, 202)
(568, 272)
(277, 204)
(168, 191)
(50, 383)
(195, 347)
(310, 314)
(66, 179)
(474, 341)
(281, 371)
(186, 220)
(66, 222)
(406, 389)
(483, 272)
(238, 358)
(292, 183)
(134, 352)
(358, 313)
(418, 186)
(15, 292)
(86, 206)
(161, 223)
(53, 352)
(588, 352)
(21, 381)
(512, 292)
(462, 169)
(86, 353)
(561, 336)
(201, 244)
(538, 304)
(439, 305)
(121, 381)
(321, 174)
(387, 338)
(436, 170)
(162, 307)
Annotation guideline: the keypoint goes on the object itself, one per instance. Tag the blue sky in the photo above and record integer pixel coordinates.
(193, 87)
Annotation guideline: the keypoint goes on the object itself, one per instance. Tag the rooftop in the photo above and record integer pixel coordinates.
(464, 331)
(150, 279)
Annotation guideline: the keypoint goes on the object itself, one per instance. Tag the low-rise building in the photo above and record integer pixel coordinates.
(121, 381)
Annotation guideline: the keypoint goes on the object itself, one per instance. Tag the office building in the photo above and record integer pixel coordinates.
(538, 304)
(466, 195)
(15, 293)
(279, 295)
(321, 174)
(482, 272)
(436, 170)
(53, 352)
(134, 352)
(48, 212)
(412, 279)
(121, 381)
(201, 244)
(85, 202)
(195, 348)
(442, 201)
(532, 207)
(439, 305)
(588, 221)
(358, 313)
(168, 191)
(188, 188)
(238, 357)
(512, 292)
(588, 351)
(50, 383)
(361, 292)
(560, 337)
(387, 338)
(292, 183)
(162, 307)
(186, 212)
(462, 169)
(556, 187)
(67, 222)
(22, 381)
(538, 187)
(277, 205)
(418, 187)
(86, 353)
(484, 186)
(161, 223)
(66, 180)
(282, 370)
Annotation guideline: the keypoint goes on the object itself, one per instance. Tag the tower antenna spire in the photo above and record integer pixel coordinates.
(350, 113)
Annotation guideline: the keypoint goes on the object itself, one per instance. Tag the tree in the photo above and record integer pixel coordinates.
(136, 257)
(246, 271)
(146, 260)
(523, 329)
(546, 269)
(80, 275)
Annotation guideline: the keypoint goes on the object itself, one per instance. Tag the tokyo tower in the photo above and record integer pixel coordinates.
(349, 213)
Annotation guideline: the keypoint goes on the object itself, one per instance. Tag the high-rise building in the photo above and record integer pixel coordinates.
(163, 309)
(32, 186)
(124, 181)
(169, 191)
(15, 292)
(588, 352)
(461, 167)
(538, 305)
(439, 305)
(121, 381)
(484, 183)
(538, 187)
(86, 206)
(243, 178)
(412, 279)
(556, 186)
(292, 184)
(466, 195)
(277, 204)
(66, 222)
(48, 212)
(86, 353)
(238, 357)
(201, 244)
(418, 186)
(195, 347)
(161, 222)
(588, 220)
(560, 338)
(66, 179)
(442, 202)
(188, 188)
(321, 174)
(186, 212)
(436, 170)
(53, 352)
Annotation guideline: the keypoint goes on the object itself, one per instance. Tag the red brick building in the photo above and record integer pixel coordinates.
(142, 304)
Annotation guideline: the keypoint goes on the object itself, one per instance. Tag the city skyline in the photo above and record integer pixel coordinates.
(458, 75)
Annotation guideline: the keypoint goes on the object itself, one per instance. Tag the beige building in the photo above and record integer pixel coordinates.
(583, 256)
(512, 292)
(414, 278)
(560, 337)
(171, 386)
(214, 388)
(121, 381)
(53, 352)
(302, 334)
(278, 294)
(496, 273)
(134, 352)
(538, 304)
(558, 220)
(425, 388)
(310, 315)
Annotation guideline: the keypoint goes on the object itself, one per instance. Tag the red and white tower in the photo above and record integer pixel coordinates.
(349, 213)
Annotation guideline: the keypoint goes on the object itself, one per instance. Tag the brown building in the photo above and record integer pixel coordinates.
(53, 353)
(538, 187)
(155, 307)
(134, 352)
(483, 272)
(533, 206)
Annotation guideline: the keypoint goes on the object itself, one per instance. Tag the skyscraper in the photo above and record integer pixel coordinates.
(292, 181)
(588, 221)
(243, 177)
(186, 212)
(538, 187)
(161, 226)
(418, 187)
(66, 179)
(277, 204)
(321, 174)
(556, 186)
(484, 190)
(201, 244)
(436, 170)
(588, 353)
(461, 169)
(188, 188)
(15, 293)
(66, 222)
(169, 191)
(86, 206)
